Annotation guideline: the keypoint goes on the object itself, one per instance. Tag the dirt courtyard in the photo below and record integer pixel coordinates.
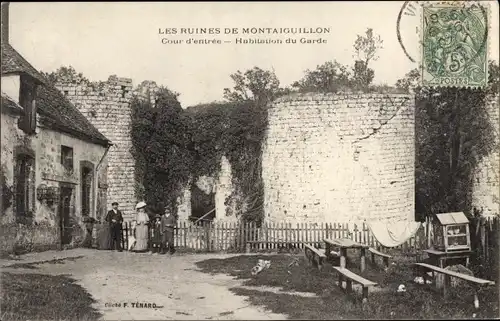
(120, 281)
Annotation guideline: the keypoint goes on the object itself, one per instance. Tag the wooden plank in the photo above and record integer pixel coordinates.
(266, 233)
(225, 236)
(319, 252)
(286, 234)
(374, 251)
(305, 231)
(297, 236)
(316, 234)
(246, 231)
(240, 239)
(363, 259)
(282, 234)
(347, 243)
(323, 233)
(273, 236)
(216, 229)
(354, 277)
(456, 274)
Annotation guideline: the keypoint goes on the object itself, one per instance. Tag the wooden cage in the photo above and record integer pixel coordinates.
(452, 232)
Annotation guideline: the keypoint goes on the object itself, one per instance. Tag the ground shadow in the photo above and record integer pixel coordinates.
(33, 266)
(291, 273)
(45, 297)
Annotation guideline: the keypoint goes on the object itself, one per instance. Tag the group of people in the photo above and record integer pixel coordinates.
(162, 227)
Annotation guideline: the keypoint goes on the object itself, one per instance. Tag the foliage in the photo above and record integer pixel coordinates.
(65, 73)
(255, 84)
(333, 76)
(174, 147)
(160, 139)
(453, 134)
(409, 82)
(328, 77)
(7, 192)
(234, 130)
(70, 75)
(366, 47)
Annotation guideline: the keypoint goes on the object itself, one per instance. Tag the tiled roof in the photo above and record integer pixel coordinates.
(13, 62)
(57, 112)
(60, 114)
(9, 105)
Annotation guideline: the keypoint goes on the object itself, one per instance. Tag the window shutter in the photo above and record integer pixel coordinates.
(33, 111)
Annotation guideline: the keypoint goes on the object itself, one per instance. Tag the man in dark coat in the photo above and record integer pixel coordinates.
(115, 220)
(168, 223)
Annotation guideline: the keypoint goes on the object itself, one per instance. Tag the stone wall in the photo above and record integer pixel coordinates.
(222, 187)
(486, 188)
(225, 206)
(107, 106)
(46, 149)
(339, 158)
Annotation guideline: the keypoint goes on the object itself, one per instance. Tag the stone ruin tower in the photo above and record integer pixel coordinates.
(107, 106)
(340, 158)
(486, 182)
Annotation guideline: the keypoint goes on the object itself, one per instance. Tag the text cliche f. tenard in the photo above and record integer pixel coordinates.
(246, 35)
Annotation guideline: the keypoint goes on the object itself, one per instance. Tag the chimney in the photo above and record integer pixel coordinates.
(5, 21)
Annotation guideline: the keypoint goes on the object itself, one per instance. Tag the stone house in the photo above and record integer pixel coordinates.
(53, 160)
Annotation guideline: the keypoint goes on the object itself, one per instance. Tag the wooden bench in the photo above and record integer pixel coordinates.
(477, 282)
(318, 255)
(384, 256)
(353, 277)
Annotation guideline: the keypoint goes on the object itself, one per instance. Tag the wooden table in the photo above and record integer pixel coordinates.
(439, 257)
(345, 244)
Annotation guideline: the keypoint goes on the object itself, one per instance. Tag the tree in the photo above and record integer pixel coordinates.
(366, 49)
(453, 134)
(64, 73)
(328, 77)
(162, 149)
(409, 81)
(261, 86)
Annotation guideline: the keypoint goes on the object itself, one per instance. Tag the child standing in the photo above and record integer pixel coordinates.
(168, 222)
(156, 237)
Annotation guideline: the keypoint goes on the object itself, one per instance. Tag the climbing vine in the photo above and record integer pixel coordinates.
(454, 133)
(173, 147)
(7, 191)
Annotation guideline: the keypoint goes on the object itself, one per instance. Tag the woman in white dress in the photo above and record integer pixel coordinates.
(141, 228)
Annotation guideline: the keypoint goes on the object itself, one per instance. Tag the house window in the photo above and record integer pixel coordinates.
(67, 158)
(27, 95)
(86, 184)
(25, 188)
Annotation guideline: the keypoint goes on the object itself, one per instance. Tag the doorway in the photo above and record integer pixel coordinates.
(202, 205)
(64, 214)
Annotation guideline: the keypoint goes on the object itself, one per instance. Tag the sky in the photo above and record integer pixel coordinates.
(101, 39)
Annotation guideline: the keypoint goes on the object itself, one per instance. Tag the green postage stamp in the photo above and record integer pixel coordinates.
(454, 45)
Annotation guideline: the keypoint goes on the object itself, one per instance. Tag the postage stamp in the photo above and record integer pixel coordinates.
(454, 45)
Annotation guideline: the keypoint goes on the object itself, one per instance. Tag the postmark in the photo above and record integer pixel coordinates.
(454, 46)
(407, 28)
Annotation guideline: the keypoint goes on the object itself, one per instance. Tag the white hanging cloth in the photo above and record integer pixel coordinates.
(393, 233)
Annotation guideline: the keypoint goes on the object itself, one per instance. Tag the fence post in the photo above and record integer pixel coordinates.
(207, 235)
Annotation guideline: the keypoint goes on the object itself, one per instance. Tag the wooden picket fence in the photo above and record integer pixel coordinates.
(241, 237)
